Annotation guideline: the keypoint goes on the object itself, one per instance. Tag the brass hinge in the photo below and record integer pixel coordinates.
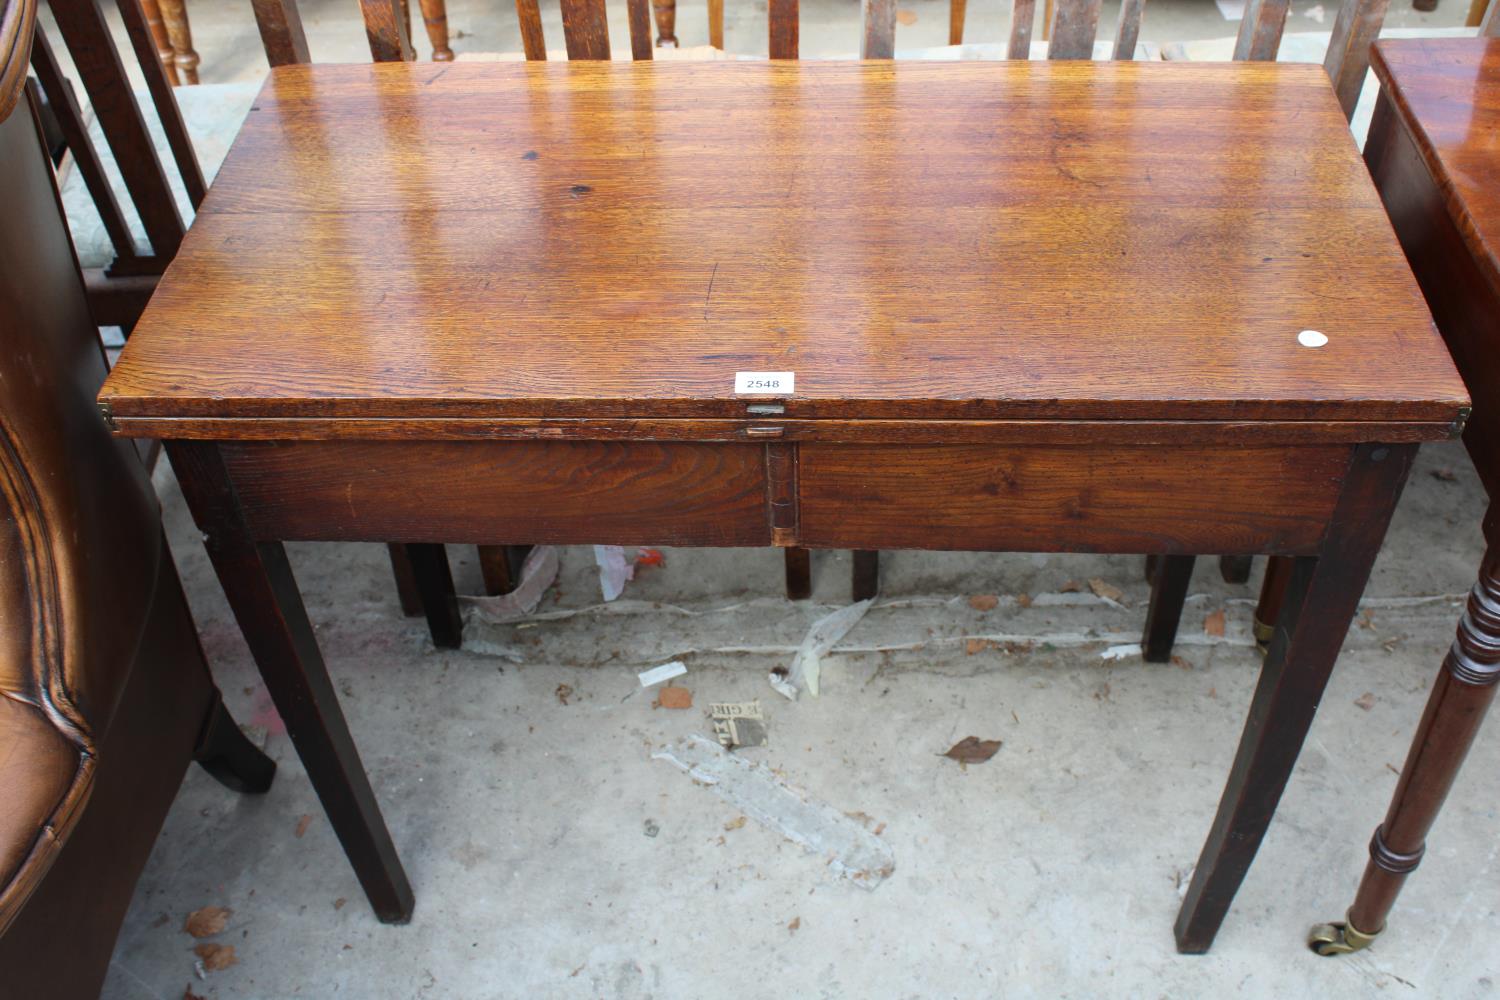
(109, 417)
(1460, 422)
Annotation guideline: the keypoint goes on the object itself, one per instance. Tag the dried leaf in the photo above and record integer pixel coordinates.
(796, 923)
(564, 692)
(984, 602)
(208, 921)
(972, 750)
(675, 697)
(1101, 693)
(1181, 664)
(1024, 600)
(1365, 620)
(1366, 701)
(302, 824)
(338, 904)
(216, 957)
(735, 824)
(1071, 587)
(1104, 589)
(972, 646)
(1444, 475)
(1214, 623)
(188, 994)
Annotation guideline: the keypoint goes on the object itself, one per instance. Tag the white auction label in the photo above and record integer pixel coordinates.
(764, 383)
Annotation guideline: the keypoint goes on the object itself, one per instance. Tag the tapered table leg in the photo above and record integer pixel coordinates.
(1272, 596)
(1322, 596)
(1169, 587)
(1460, 698)
(866, 574)
(434, 578)
(798, 574)
(258, 582)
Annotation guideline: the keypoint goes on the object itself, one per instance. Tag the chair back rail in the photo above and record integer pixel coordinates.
(85, 32)
(165, 102)
(385, 27)
(281, 34)
(1490, 26)
(75, 134)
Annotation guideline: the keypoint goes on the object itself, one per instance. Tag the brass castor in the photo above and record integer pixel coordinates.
(1263, 634)
(1339, 938)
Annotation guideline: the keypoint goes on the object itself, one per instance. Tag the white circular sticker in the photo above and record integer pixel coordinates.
(1311, 338)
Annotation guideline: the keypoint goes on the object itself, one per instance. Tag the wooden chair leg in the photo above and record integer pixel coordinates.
(161, 40)
(716, 24)
(225, 752)
(435, 19)
(1321, 598)
(406, 581)
(956, 11)
(257, 580)
(866, 574)
(1460, 697)
(1272, 595)
(798, 574)
(429, 563)
(174, 13)
(666, 22)
(1169, 587)
(1235, 569)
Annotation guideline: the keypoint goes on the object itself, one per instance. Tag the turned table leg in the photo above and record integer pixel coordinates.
(435, 19)
(1272, 596)
(160, 39)
(1322, 596)
(258, 582)
(666, 22)
(1460, 696)
(174, 14)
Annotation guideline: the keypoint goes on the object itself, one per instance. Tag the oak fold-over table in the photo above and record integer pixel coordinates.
(1006, 306)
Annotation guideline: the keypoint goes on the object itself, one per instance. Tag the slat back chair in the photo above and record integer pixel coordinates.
(118, 293)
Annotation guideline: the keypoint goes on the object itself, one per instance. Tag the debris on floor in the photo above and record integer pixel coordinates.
(1213, 624)
(563, 693)
(853, 852)
(208, 921)
(665, 672)
(821, 637)
(538, 572)
(781, 682)
(1106, 592)
(738, 724)
(675, 697)
(214, 957)
(972, 750)
(1121, 652)
(614, 571)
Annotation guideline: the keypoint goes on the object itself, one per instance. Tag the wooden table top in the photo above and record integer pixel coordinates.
(1020, 241)
(1448, 90)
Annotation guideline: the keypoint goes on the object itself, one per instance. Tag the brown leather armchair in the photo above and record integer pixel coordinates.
(105, 695)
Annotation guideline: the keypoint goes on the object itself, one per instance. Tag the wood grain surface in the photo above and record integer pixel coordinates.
(1448, 92)
(1060, 499)
(1030, 241)
(539, 492)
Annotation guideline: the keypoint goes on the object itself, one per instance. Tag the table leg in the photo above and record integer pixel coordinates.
(866, 574)
(798, 574)
(406, 580)
(435, 18)
(1235, 569)
(666, 22)
(1169, 587)
(258, 582)
(174, 14)
(429, 563)
(1272, 597)
(1321, 599)
(1460, 698)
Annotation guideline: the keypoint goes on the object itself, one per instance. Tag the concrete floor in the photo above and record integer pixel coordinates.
(1053, 870)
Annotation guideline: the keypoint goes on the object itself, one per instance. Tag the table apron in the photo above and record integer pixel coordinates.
(1042, 498)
